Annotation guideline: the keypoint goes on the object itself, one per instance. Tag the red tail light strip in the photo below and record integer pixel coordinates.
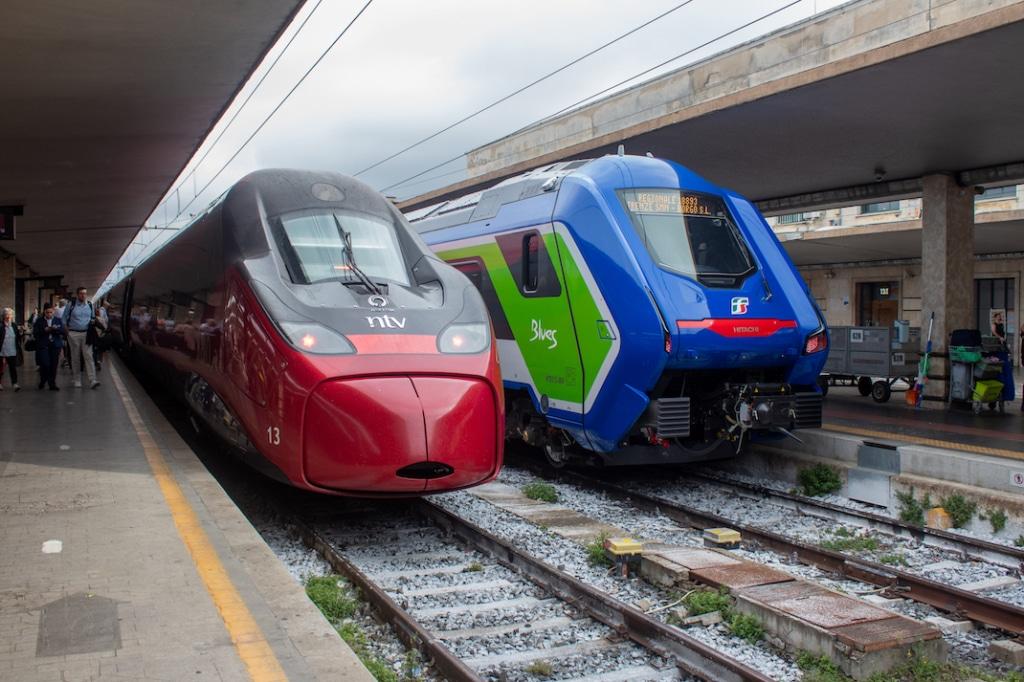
(732, 327)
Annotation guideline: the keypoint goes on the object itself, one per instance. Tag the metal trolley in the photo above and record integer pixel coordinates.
(872, 358)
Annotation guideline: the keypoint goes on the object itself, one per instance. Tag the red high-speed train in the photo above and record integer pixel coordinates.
(304, 321)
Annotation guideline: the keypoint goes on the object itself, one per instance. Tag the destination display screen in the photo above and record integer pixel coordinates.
(683, 203)
(689, 233)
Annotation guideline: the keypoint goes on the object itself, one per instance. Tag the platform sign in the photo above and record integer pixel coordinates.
(1017, 478)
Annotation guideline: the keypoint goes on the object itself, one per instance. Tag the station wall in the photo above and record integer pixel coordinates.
(835, 289)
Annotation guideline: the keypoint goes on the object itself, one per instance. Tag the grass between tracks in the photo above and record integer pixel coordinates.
(744, 626)
(338, 601)
(543, 492)
(916, 669)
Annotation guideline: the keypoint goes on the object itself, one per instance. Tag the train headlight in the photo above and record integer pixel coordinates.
(464, 338)
(310, 337)
(816, 342)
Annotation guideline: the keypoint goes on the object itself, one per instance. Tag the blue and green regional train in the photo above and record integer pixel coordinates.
(643, 314)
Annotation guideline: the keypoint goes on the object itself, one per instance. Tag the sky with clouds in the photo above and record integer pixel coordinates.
(405, 70)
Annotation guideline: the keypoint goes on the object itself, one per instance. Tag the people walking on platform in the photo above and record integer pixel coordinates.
(102, 332)
(79, 320)
(49, 335)
(58, 312)
(10, 348)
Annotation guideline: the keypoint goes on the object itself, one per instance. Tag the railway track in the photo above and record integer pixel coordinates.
(974, 548)
(962, 603)
(480, 608)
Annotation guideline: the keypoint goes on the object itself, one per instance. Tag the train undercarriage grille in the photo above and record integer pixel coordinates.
(808, 411)
(673, 417)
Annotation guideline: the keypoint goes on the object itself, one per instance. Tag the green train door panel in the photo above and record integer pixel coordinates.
(521, 271)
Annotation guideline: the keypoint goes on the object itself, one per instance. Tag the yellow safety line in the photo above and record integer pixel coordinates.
(246, 635)
(933, 442)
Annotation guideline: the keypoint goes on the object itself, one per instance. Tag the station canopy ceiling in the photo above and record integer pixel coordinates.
(103, 104)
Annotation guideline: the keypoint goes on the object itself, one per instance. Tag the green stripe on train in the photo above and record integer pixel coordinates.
(554, 369)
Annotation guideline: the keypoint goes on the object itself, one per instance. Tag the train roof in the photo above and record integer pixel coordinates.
(486, 204)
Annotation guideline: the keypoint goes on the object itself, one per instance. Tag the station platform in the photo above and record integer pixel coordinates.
(122, 558)
(999, 434)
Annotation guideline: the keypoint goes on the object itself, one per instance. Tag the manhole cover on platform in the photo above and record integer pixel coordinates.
(78, 624)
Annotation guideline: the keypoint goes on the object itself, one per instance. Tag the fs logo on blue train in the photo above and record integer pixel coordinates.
(739, 305)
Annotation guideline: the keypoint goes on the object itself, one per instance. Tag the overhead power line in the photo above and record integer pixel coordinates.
(524, 88)
(607, 89)
(252, 91)
(280, 104)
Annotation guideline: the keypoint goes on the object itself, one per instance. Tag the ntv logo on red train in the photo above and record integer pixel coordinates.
(383, 321)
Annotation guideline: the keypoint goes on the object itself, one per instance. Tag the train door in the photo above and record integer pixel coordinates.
(544, 354)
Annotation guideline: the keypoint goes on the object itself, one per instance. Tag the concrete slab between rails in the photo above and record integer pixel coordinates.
(561, 521)
(117, 590)
(992, 481)
(860, 638)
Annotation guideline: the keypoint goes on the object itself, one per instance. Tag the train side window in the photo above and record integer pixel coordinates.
(531, 262)
(473, 269)
(476, 271)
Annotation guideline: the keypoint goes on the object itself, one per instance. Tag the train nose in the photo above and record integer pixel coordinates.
(399, 434)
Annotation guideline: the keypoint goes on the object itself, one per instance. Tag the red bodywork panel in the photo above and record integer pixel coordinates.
(344, 424)
(359, 432)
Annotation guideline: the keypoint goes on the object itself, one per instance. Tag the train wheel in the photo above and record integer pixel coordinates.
(880, 391)
(864, 386)
(556, 455)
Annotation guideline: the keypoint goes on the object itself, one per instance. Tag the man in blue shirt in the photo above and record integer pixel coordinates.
(78, 315)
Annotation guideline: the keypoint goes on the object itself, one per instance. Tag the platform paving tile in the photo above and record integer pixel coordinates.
(122, 599)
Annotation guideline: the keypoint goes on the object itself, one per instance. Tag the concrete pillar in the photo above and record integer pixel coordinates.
(947, 267)
(7, 270)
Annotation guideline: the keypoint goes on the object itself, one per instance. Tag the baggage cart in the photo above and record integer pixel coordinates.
(872, 358)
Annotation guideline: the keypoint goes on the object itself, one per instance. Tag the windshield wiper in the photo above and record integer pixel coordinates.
(346, 238)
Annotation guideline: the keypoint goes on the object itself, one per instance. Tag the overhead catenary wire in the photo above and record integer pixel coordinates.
(524, 88)
(607, 89)
(241, 107)
(277, 108)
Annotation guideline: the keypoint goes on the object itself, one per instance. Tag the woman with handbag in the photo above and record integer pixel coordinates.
(10, 348)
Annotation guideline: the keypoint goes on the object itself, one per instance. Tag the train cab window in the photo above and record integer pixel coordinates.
(689, 233)
(317, 240)
(531, 262)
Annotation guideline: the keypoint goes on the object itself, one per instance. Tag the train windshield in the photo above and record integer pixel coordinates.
(689, 233)
(318, 242)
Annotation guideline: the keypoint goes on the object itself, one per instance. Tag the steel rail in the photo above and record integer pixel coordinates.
(690, 655)
(945, 597)
(977, 548)
(414, 635)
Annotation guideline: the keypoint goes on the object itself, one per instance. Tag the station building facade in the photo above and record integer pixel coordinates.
(863, 263)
